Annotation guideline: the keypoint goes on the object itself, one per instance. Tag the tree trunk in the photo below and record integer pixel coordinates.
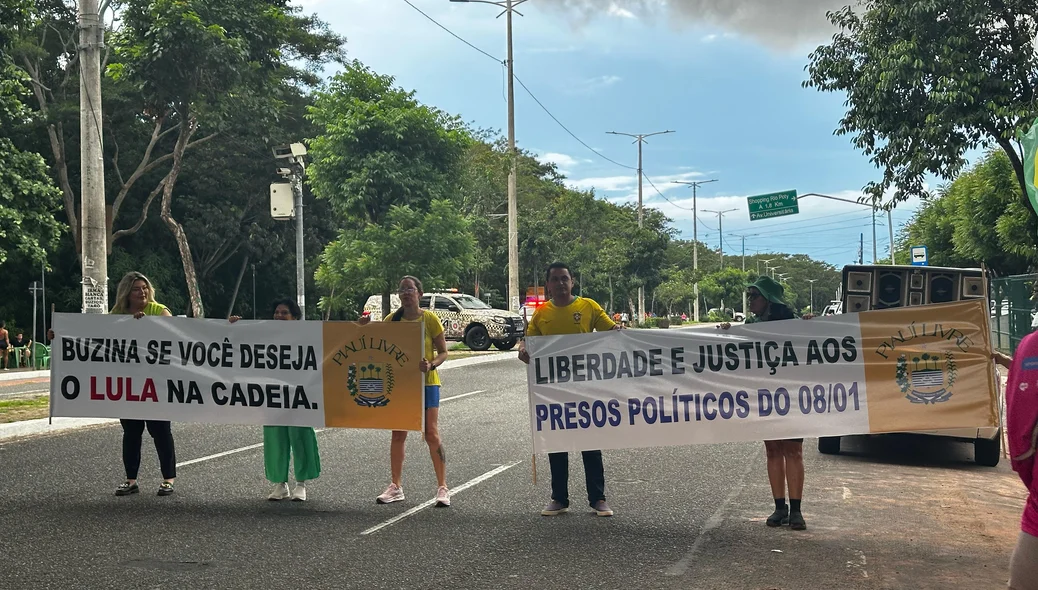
(611, 294)
(190, 276)
(1018, 168)
(386, 301)
(237, 285)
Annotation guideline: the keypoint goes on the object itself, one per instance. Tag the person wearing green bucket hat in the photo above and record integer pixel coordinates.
(785, 457)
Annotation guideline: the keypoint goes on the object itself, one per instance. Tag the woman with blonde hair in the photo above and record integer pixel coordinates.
(435, 355)
(135, 296)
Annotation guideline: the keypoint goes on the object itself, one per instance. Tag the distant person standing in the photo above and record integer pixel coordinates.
(135, 296)
(5, 344)
(565, 313)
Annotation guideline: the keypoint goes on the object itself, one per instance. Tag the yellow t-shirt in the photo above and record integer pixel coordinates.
(433, 328)
(581, 316)
(152, 308)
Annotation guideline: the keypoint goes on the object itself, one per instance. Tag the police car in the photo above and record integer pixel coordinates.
(465, 318)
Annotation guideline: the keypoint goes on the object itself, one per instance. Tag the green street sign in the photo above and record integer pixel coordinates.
(773, 205)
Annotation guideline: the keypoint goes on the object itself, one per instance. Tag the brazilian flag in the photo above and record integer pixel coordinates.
(1030, 143)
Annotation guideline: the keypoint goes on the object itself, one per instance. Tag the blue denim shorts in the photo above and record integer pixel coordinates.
(432, 396)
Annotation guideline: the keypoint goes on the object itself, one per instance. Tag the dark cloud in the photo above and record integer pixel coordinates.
(780, 23)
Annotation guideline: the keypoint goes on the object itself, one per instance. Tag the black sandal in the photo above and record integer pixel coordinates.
(126, 488)
(166, 488)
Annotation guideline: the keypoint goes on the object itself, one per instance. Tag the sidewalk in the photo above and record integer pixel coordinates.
(22, 375)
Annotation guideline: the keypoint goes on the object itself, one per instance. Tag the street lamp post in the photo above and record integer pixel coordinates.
(695, 241)
(508, 7)
(811, 304)
(640, 138)
(720, 230)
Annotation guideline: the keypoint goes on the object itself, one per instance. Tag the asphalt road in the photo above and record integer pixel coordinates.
(889, 513)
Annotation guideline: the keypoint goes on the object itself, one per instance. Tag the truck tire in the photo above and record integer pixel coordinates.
(988, 452)
(477, 338)
(505, 344)
(829, 445)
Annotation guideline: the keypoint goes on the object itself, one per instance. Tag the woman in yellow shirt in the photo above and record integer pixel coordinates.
(435, 355)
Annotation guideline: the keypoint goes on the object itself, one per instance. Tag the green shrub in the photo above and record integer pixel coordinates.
(716, 316)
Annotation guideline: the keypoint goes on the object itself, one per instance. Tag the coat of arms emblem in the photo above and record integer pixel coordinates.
(927, 378)
(370, 384)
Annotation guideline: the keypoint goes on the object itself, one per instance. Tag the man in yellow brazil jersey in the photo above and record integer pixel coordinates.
(564, 313)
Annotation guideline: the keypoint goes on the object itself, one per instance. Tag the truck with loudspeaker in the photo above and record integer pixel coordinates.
(877, 287)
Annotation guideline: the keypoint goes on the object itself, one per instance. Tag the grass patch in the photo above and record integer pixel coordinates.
(17, 410)
(460, 346)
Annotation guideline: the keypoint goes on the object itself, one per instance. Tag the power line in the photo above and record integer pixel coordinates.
(524, 87)
(451, 33)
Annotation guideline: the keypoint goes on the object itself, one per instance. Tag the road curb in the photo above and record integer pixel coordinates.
(41, 426)
(22, 375)
(478, 360)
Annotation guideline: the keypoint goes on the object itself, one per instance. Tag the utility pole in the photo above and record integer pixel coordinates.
(508, 7)
(720, 230)
(861, 249)
(695, 241)
(34, 289)
(890, 226)
(253, 291)
(744, 269)
(92, 226)
(811, 305)
(640, 138)
(296, 168)
(43, 289)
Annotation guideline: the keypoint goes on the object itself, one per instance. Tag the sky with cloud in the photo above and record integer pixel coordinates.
(725, 75)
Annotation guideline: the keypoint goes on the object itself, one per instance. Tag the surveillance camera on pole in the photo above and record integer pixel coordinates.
(286, 202)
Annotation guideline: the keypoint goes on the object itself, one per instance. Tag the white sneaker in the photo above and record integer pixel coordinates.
(299, 492)
(393, 493)
(443, 497)
(280, 492)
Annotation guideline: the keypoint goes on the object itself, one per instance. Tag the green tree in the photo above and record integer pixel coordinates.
(379, 147)
(928, 80)
(434, 245)
(28, 197)
(211, 66)
(976, 220)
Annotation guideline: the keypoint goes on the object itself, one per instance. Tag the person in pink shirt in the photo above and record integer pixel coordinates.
(1022, 433)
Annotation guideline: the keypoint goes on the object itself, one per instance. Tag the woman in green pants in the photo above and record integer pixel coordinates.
(280, 443)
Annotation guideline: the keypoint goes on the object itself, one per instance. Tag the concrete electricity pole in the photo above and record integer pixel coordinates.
(508, 7)
(744, 268)
(695, 241)
(92, 232)
(811, 306)
(720, 230)
(639, 138)
(294, 172)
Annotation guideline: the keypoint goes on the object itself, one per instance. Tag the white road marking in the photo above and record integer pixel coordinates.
(715, 520)
(447, 399)
(258, 445)
(225, 453)
(428, 503)
(846, 493)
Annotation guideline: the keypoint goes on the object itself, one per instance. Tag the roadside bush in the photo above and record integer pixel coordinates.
(716, 316)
